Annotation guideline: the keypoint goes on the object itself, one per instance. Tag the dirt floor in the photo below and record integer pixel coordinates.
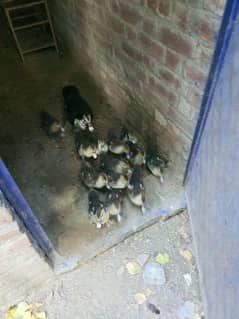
(103, 288)
(47, 170)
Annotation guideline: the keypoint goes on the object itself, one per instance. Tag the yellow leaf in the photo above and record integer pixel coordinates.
(41, 315)
(187, 254)
(148, 292)
(12, 313)
(133, 268)
(139, 298)
(22, 307)
(162, 259)
(27, 315)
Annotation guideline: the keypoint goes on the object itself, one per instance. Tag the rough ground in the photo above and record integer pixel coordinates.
(103, 288)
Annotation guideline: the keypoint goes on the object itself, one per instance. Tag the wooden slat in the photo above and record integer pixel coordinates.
(49, 45)
(27, 26)
(27, 5)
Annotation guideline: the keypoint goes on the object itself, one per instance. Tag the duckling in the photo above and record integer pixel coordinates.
(96, 209)
(92, 178)
(127, 136)
(86, 145)
(50, 125)
(76, 109)
(117, 146)
(118, 165)
(114, 203)
(116, 181)
(102, 147)
(156, 163)
(136, 155)
(136, 189)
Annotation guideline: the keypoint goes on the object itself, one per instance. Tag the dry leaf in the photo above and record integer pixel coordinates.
(38, 304)
(12, 313)
(187, 254)
(22, 307)
(133, 268)
(41, 315)
(27, 315)
(148, 292)
(162, 259)
(139, 298)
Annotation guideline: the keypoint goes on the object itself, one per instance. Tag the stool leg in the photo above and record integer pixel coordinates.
(14, 35)
(51, 27)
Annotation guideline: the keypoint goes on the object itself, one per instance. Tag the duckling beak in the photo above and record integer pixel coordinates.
(91, 128)
(98, 225)
(94, 156)
(161, 179)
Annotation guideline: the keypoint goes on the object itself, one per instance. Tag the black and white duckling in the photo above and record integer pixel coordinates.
(91, 177)
(76, 109)
(136, 155)
(102, 147)
(116, 181)
(50, 125)
(118, 165)
(86, 145)
(136, 189)
(127, 136)
(114, 204)
(117, 146)
(156, 163)
(98, 214)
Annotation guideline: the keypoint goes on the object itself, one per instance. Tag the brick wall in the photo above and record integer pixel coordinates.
(150, 58)
(21, 267)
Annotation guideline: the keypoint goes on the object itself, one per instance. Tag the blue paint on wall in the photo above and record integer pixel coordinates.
(212, 188)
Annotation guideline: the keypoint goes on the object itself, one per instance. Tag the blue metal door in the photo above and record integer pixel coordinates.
(212, 176)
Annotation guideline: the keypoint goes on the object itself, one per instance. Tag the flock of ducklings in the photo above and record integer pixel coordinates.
(115, 165)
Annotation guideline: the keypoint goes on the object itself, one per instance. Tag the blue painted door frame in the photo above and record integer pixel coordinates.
(212, 176)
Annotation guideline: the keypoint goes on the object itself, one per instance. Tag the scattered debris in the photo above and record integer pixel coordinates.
(120, 271)
(162, 258)
(187, 310)
(26, 311)
(154, 274)
(140, 298)
(187, 254)
(188, 279)
(153, 308)
(133, 268)
(142, 259)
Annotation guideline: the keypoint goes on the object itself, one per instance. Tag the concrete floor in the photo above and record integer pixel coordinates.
(103, 288)
(47, 170)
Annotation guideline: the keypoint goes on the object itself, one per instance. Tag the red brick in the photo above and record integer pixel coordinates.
(152, 4)
(130, 15)
(169, 77)
(164, 7)
(140, 75)
(181, 17)
(192, 74)
(176, 117)
(149, 27)
(172, 60)
(206, 31)
(154, 49)
(130, 33)
(216, 6)
(179, 136)
(132, 52)
(194, 97)
(176, 42)
(117, 25)
(161, 91)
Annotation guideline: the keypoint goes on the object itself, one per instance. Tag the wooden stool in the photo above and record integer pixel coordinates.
(19, 19)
